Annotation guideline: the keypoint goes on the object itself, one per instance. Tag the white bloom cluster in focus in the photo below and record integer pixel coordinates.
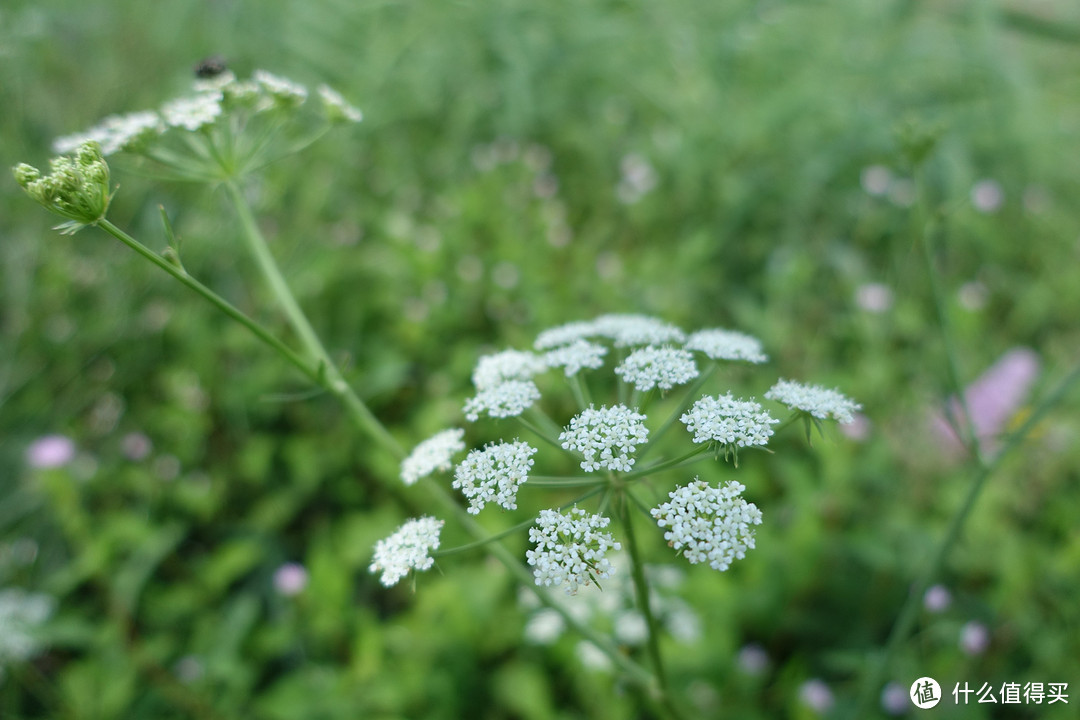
(494, 474)
(815, 400)
(663, 367)
(606, 437)
(730, 422)
(407, 549)
(434, 454)
(570, 549)
(727, 345)
(709, 524)
(506, 399)
(575, 356)
(492, 370)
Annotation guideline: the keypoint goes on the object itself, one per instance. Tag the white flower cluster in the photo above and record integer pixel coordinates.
(20, 615)
(211, 99)
(721, 344)
(606, 437)
(494, 474)
(663, 367)
(709, 524)
(507, 399)
(624, 330)
(730, 422)
(407, 549)
(815, 400)
(493, 370)
(432, 455)
(575, 356)
(570, 549)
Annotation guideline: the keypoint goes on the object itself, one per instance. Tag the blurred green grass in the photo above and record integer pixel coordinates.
(477, 204)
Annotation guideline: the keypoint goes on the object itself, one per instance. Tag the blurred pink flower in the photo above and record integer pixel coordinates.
(290, 579)
(974, 638)
(816, 695)
(987, 196)
(136, 446)
(50, 451)
(937, 598)
(993, 399)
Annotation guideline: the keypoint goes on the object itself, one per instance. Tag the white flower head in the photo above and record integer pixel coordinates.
(433, 455)
(663, 367)
(494, 474)
(193, 113)
(815, 400)
(407, 549)
(570, 549)
(630, 330)
(115, 133)
(606, 437)
(282, 90)
(492, 370)
(565, 334)
(337, 108)
(575, 356)
(507, 399)
(709, 524)
(721, 344)
(730, 422)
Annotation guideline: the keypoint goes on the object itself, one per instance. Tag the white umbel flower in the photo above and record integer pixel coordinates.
(575, 356)
(492, 370)
(815, 400)
(663, 367)
(494, 474)
(564, 334)
(114, 133)
(407, 549)
(721, 344)
(606, 437)
(730, 422)
(282, 90)
(570, 549)
(709, 524)
(193, 113)
(507, 399)
(630, 330)
(433, 455)
(337, 108)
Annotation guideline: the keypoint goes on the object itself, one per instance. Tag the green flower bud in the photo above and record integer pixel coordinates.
(76, 190)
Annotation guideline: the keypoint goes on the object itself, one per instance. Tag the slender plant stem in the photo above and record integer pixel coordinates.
(313, 346)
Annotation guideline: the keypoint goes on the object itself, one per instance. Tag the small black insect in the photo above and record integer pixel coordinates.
(210, 67)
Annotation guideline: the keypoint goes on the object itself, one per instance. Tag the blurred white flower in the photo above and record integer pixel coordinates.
(894, 699)
(816, 695)
(290, 579)
(937, 598)
(193, 113)
(492, 370)
(720, 344)
(575, 356)
(50, 451)
(753, 660)
(875, 180)
(337, 108)
(987, 196)
(974, 638)
(874, 297)
(815, 400)
(21, 613)
(636, 180)
(432, 455)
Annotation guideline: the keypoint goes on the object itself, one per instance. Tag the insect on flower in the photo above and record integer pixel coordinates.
(210, 67)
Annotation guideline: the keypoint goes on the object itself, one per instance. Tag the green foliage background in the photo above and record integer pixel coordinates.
(418, 240)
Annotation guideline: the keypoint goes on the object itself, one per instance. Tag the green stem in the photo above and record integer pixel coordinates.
(902, 627)
(333, 381)
(641, 590)
(668, 464)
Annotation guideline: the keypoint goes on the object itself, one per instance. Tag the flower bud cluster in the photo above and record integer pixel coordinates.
(76, 188)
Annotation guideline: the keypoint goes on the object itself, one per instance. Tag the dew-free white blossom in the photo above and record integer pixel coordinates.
(728, 421)
(192, 113)
(21, 613)
(337, 106)
(816, 400)
(565, 334)
(507, 399)
(720, 344)
(433, 455)
(281, 89)
(492, 370)
(114, 133)
(575, 356)
(606, 436)
(630, 330)
(570, 549)
(662, 367)
(407, 549)
(494, 474)
(709, 524)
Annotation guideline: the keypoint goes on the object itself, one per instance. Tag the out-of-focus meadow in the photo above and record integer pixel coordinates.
(197, 525)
